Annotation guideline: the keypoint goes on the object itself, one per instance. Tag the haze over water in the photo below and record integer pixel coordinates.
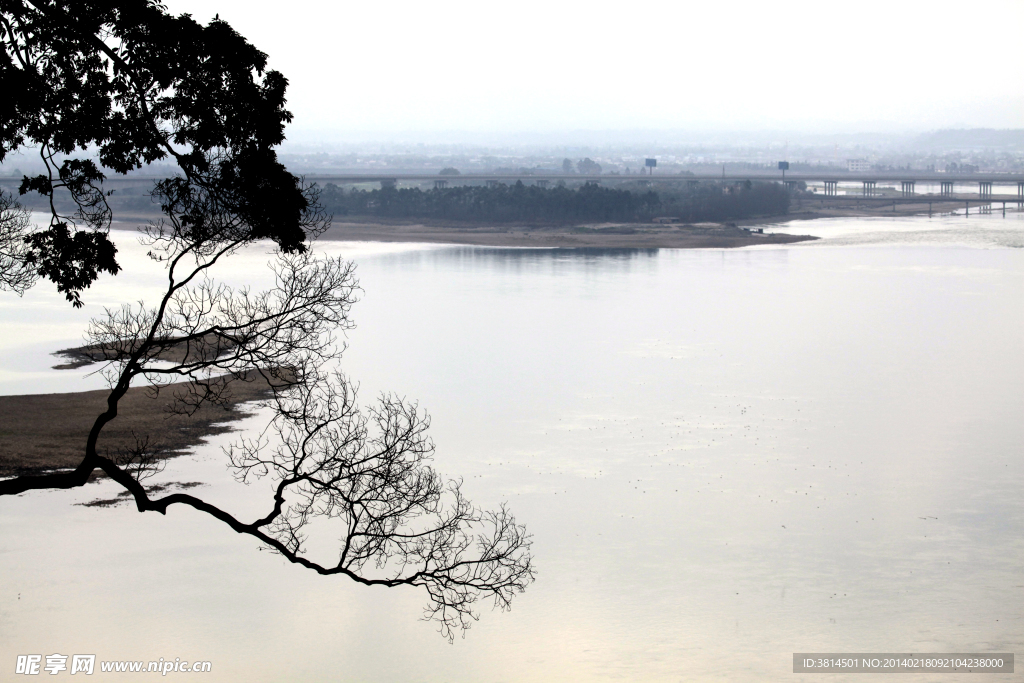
(724, 456)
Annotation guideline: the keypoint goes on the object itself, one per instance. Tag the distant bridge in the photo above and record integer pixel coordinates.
(907, 180)
(867, 183)
(840, 176)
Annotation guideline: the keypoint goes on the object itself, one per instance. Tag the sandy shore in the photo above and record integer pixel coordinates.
(608, 235)
(617, 235)
(40, 432)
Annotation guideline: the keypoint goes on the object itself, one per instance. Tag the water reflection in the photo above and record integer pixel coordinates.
(526, 260)
(724, 456)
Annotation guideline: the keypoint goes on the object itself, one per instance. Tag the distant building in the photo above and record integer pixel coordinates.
(858, 165)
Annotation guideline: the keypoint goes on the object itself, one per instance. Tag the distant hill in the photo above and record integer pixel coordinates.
(972, 138)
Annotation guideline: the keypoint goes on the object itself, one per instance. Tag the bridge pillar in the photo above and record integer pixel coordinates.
(790, 184)
(946, 188)
(1020, 195)
(869, 188)
(440, 184)
(386, 183)
(908, 188)
(493, 183)
(831, 188)
(985, 189)
(694, 183)
(542, 183)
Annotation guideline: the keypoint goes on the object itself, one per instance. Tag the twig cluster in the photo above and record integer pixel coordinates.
(16, 272)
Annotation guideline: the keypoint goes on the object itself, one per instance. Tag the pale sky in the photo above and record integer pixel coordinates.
(394, 66)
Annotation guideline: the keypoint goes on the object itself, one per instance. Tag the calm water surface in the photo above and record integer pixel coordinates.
(724, 456)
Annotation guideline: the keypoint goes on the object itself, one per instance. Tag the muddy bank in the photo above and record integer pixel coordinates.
(41, 432)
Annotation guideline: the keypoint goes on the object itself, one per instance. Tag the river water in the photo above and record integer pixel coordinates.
(724, 457)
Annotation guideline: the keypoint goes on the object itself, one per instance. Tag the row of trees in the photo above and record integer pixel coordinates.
(137, 84)
(725, 202)
(496, 203)
(560, 205)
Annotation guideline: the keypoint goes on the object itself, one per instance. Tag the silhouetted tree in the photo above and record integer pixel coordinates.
(142, 85)
(567, 166)
(137, 84)
(365, 473)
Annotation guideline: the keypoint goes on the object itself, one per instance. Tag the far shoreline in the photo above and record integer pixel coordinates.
(724, 235)
(600, 235)
(604, 235)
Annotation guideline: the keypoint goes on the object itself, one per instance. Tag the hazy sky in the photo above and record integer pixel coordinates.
(395, 66)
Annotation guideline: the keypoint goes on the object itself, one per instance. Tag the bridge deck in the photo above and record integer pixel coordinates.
(839, 176)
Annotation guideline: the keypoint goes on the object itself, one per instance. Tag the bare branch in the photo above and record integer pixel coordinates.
(363, 476)
(16, 273)
(368, 477)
